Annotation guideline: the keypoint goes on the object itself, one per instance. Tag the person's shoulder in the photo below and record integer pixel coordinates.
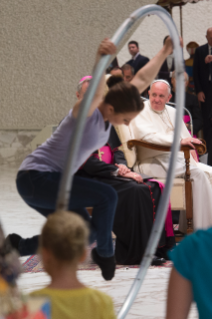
(142, 58)
(196, 241)
(99, 295)
(201, 48)
(100, 298)
(146, 107)
(202, 237)
(129, 62)
(171, 109)
(144, 114)
(146, 103)
(96, 116)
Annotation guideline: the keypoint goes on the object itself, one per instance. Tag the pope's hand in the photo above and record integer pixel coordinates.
(190, 141)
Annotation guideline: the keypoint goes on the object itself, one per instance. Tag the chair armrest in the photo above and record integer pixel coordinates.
(201, 148)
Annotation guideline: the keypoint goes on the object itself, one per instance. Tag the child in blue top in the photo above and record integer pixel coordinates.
(191, 278)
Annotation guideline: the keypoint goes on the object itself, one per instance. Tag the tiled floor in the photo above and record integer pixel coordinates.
(17, 217)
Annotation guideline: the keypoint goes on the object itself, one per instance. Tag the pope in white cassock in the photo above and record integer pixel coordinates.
(155, 124)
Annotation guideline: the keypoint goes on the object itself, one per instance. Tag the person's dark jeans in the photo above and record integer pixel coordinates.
(39, 190)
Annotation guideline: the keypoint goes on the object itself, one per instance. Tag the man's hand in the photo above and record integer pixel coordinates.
(208, 59)
(190, 141)
(106, 47)
(123, 169)
(194, 155)
(134, 176)
(168, 45)
(201, 97)
(188, 125)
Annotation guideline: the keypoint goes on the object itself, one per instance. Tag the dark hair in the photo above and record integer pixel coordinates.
(114, 79)
(123, 96)
(128, 67)
(133, 42)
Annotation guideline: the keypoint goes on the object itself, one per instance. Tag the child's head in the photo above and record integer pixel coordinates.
(64, 236)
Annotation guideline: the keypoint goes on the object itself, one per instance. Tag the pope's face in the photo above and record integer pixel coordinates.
(159, 96)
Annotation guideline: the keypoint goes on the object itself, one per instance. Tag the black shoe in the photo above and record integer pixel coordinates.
(13, 240)
(158, 261)
(106, 264)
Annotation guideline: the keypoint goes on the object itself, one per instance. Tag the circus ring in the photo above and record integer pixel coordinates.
(66, 180)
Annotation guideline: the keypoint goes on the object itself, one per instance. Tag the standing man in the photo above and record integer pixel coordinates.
(202, 73)
(138, 60)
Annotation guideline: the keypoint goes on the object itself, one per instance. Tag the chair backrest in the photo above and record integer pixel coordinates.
(125, 134)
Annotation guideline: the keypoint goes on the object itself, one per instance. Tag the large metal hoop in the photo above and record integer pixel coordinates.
(66, 181)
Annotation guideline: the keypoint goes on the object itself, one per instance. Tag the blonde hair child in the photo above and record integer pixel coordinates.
(63, 246)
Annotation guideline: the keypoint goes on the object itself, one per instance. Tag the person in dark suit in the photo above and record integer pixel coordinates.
(138, 60)
(202, 74)
(167, 67)
(191, 103)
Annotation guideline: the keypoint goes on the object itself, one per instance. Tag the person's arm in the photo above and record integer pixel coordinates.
(119, 157)
(94, 167)
(179, 296)
(147, 74)
(106, 47)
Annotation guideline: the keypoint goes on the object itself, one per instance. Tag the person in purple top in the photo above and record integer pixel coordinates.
(40, 173)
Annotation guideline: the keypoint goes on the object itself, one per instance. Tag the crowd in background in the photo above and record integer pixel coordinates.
(198, 80)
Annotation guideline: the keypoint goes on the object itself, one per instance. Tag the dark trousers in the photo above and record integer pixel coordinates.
(206, 108)
(39, 190)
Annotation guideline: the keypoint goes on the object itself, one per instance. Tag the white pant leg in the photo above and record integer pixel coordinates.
(202, 199)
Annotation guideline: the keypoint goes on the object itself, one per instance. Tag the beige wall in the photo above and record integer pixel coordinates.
(45, 48)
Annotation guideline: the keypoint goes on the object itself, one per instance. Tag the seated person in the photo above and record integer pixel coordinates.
(191, 278)
(192, 104)
(63, 246)
(137, 203)
(155, 124)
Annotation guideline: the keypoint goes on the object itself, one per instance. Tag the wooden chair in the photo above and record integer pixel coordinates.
(180, 200)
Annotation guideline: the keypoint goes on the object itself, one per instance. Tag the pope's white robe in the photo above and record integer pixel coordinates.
(158, 128)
